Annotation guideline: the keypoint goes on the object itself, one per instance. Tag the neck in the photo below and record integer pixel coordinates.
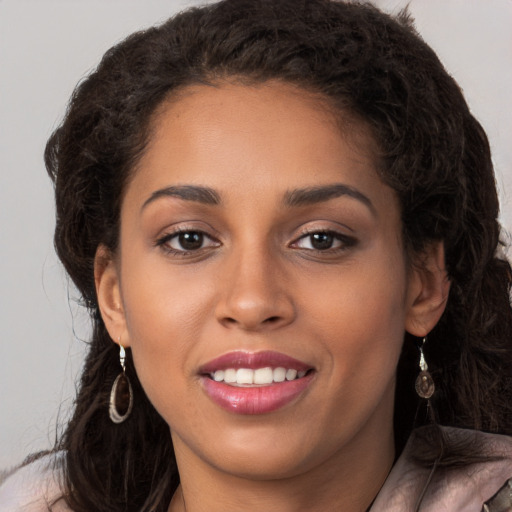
(349, 481)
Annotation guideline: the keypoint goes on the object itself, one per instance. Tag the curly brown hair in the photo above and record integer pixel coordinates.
(432, 152)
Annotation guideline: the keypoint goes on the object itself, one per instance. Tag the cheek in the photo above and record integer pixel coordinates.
(165, 316)
(162, 302)
(361, 314)
(362, 330)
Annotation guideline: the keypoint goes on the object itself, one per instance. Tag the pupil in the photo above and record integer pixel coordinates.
(321, 240)
(190, 241)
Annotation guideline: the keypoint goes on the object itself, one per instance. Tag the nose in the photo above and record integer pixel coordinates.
(255, 295)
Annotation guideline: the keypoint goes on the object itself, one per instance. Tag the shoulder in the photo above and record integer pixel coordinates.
(34, 487)
(469, 488)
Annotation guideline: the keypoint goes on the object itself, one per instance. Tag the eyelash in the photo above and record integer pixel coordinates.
(345, 241)
(163, 242)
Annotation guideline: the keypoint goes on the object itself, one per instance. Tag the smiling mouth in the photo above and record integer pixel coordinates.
(248, 377)
(256, 383)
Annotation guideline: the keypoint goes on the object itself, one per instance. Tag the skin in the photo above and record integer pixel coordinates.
(257, 283)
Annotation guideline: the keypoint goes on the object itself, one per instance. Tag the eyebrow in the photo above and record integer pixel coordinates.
(204, 195)
(314, 195)
(292, 198)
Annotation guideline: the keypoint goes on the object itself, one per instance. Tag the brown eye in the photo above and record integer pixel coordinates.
(324, 241)
(321, 241)
(183, 242)
(189, 241)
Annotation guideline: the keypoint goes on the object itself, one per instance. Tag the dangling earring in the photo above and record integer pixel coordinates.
(425, 386)
(121, 396)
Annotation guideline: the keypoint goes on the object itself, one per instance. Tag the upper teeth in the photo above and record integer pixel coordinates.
(259, 376)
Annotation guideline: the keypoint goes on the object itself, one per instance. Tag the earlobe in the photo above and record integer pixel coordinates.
(428, 290)
(109, 294)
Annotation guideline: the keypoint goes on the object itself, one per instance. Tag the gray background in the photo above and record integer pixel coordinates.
(46, 46)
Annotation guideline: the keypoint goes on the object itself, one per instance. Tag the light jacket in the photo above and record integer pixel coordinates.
(481, 487)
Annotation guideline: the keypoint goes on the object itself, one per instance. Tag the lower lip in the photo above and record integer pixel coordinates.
(255, 400)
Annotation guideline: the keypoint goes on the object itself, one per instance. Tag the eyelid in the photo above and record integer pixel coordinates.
(168, 235)
(346, 241)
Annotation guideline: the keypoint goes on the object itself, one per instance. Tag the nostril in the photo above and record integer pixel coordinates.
(271, 320)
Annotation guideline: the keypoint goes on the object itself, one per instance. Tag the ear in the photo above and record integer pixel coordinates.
(108, 291)
(428, 290)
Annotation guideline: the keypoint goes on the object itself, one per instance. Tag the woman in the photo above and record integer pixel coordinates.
(282, 218)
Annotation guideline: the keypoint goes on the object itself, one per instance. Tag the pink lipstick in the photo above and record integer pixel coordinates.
(255, 383)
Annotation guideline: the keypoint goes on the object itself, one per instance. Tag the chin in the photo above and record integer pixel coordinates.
(264, 465)
(264, 452)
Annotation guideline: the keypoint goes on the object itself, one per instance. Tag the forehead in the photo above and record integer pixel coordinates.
(269, 126)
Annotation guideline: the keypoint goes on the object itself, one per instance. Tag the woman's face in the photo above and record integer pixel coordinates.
(261, 282)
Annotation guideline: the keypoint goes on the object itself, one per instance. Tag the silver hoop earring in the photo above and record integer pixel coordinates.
(424, 385)
(121, 396)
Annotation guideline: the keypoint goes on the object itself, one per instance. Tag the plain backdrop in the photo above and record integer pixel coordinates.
(46, 46)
